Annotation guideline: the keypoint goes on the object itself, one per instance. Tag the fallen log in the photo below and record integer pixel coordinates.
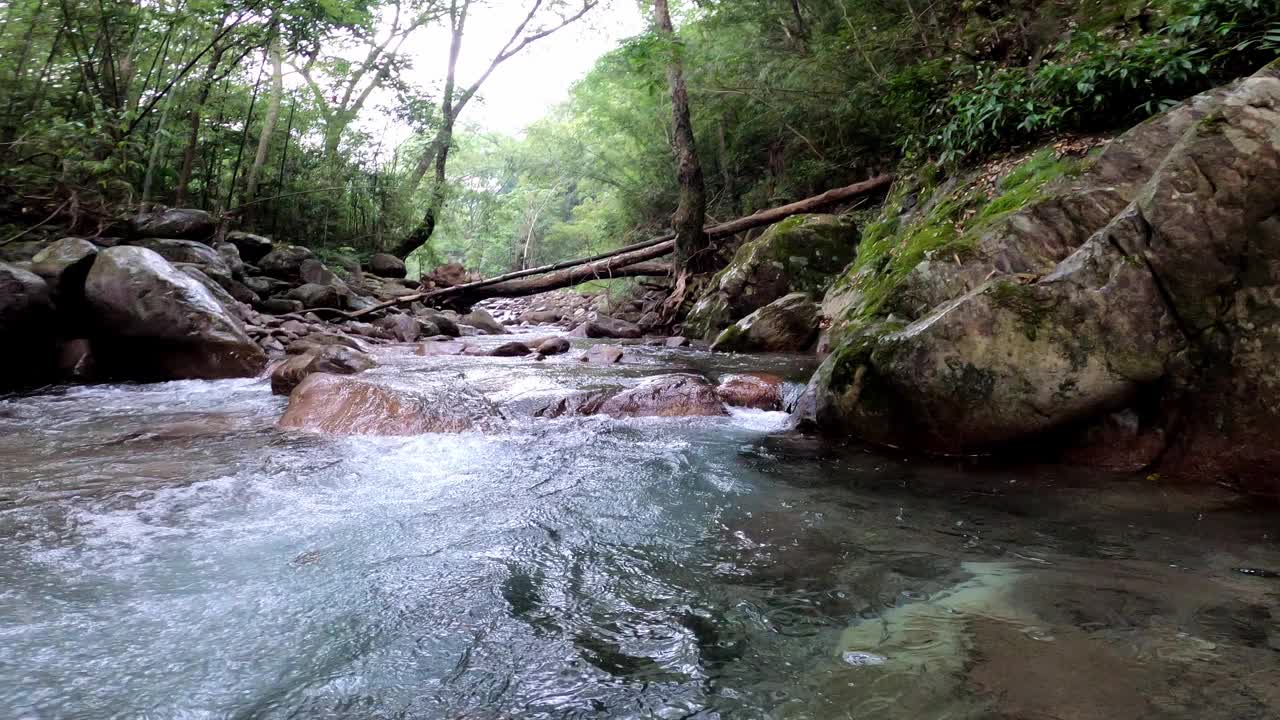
(615, 263)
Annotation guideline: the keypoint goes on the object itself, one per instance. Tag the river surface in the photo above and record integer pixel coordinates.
(166, 552)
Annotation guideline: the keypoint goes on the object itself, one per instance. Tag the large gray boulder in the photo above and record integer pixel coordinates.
(252, 247)
(182, 223)
(1176, 297)
(387, 266)
(26, 327)
(156, 323)
(284, 262)
(788, 324)
(481, 320)
(64, 265)
(189, 251)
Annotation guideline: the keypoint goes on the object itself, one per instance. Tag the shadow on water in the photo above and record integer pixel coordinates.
(167, 552)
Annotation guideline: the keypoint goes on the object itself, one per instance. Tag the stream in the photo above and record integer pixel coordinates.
(166, 552)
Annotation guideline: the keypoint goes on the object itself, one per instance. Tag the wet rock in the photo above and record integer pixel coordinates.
(315, 272)
(800, 255)
(603, 355)
(314, 296)
(181, 223)
(75, 359)
(252, 247)
(345, 405)
(230, 255)
(64, 265)
(387, 266)
(511, 349)
(26, 327)
(159, 323)
(541, 317)
(404, 328)
(759, 391)
(280, 306)
(443, 324)
(481, 320)
(263, 286)
(224, 298)
(666, 396)
(332, 359)
(607, 327)
(188, 251)
(676, 342)
(316, 340)
(789, 324)
(284, 262)
(553, 346)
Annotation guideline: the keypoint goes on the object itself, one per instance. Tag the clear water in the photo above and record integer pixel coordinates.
(165, 552)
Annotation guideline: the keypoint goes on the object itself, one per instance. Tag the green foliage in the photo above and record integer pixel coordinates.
(1091, 81)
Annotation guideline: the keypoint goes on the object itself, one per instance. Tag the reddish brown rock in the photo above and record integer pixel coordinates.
(603, 355)
(343, 405)
(332, 359)
(666, 396)
(760, 391)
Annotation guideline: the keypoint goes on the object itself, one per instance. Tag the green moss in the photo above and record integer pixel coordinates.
(1023, 302)
(1025, 184)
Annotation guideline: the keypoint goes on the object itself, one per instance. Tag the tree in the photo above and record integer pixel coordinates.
(437, 152)
(691, 214)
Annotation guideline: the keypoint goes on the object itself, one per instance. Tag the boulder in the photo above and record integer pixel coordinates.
(284, 262)
(332, 359)
(448, 275)
(443, 323)
(21, 251)
(603, 355)
(677, 395)
(64, 266)
(26, 327)
(553, 346)
(252, 247)
(801, 254)
(511, 349)
(318, 340)
(224, 298)
(230, 255)
(541, 317)
(280, 306)
(158, 323)
(607, 327)
(188, 251)
(180, 223)
(1152, 274)
(313, 296)
(315, 272)
(387, 266)
(789, 324)
(264, 286)
(404, 328)
(759, 391)
(345, 405)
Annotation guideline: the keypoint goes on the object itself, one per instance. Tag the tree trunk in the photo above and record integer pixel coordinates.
(268, 129)
(692, 247)
(193, 123)
(612, 264)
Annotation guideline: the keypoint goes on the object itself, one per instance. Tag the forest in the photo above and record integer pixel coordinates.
(264, 112)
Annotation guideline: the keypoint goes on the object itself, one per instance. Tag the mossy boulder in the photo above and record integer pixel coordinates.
(788, 324)
(1175, 295)
(803, 254)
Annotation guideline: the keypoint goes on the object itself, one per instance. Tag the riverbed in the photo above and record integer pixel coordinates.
(166, 552)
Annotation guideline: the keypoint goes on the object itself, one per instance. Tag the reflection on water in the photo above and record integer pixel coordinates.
(167, 553)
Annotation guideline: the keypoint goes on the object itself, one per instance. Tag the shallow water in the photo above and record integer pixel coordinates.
(166, 552)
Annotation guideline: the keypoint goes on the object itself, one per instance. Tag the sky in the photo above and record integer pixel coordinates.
(526, 87)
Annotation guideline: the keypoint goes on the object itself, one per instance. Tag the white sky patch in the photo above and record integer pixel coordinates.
(522, 89)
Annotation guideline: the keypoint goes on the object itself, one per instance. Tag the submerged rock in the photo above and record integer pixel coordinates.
(666, 396)
(344, 405)
(158, 323)
(511, 349)
(553, 346)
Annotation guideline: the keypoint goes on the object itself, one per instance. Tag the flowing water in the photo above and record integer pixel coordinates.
(165, 552)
